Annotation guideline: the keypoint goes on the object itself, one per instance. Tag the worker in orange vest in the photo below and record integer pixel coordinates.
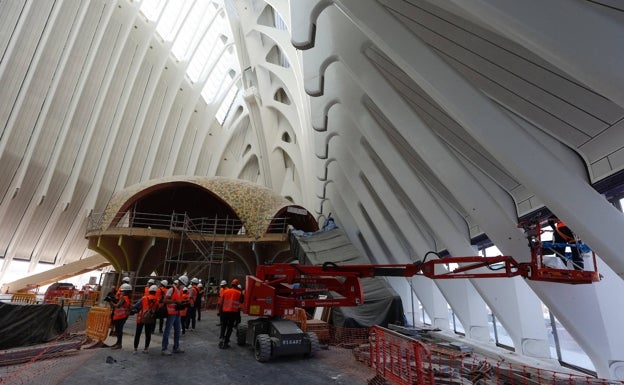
(150, 282)
(184, 311)
(194, 300)
(162, 313)
(149, 304)
(562, 234)
(124, 280)
(200, 299)
(121, 311)
(229, 305)
(174, 302)
(222, 287)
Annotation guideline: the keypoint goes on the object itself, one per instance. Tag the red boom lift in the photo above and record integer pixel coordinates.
(276, 290)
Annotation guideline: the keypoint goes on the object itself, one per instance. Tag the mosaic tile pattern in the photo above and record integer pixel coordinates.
(255, 205)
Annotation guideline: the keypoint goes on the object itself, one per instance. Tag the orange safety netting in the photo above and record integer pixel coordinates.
(51, 362)
(398, 359)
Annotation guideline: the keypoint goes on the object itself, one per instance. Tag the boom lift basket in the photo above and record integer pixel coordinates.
(543, 270)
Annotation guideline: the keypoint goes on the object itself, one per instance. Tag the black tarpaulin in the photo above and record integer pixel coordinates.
(382, 305)
(24, 325)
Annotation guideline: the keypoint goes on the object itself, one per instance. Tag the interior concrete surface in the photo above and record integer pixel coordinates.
(203, 362)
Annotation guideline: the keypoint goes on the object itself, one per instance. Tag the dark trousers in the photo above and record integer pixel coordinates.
(191, 318)
(184, 321)
(228, 319)
(148, 334)
(198, 309)
(577, 258)
(119, 325)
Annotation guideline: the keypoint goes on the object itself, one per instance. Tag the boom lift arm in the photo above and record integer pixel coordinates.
(277, 290)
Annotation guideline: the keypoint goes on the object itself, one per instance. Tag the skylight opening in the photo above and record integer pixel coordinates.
(201, 36)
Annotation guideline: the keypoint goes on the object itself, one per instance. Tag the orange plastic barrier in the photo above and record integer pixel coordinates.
(27, 298)
(98, 322)
(399, 359)
(299, 317)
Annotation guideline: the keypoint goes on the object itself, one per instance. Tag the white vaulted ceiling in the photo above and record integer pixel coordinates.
(418, 124)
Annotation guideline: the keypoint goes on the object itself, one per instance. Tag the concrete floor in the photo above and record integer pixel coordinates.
(204, 363)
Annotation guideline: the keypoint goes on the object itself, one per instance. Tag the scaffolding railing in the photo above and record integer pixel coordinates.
(182, 221)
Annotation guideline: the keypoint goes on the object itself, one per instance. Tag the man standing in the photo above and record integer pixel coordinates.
(173, 301)
(229, 303)
(199, 300)
(121, 312)
(195, 301)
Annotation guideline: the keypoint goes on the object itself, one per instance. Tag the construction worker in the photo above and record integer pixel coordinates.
(124, 280)
(199, 301)
(222, 287)
(121, 312)
(194, 299)
(242, 299)
(150, 282)
(161, 314)
(149, 304)
(229, 306)
(563, 235)
(184, 311)
(173, 301)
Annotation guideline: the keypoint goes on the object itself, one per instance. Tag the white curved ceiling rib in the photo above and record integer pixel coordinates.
(418, 124)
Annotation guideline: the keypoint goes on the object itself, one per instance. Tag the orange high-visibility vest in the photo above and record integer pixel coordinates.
(566, 237)
(231, 300)
(176, 295)
(122, 311)
(147, 302)
(185, 297)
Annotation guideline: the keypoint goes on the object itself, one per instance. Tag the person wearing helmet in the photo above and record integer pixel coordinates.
(161, 314)
(191, 316)
(186, 302)
(229, 305)
(150, 282)
(200, 299)
(121, 312)
(222, 287)
(146, 317)
(173, 300)
(125, 279)
(242, 299)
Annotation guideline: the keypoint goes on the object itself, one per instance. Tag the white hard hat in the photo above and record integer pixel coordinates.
(184, 279)
(194, 280)
(126, 279)
(151, 280)
(164, 283)
(185, 289)
(153, 288)
(200, 285)
(126, 287)
(223, 283)
(176, 282)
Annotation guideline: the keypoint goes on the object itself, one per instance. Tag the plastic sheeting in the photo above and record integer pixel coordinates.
(382, 305)
(24, 325)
